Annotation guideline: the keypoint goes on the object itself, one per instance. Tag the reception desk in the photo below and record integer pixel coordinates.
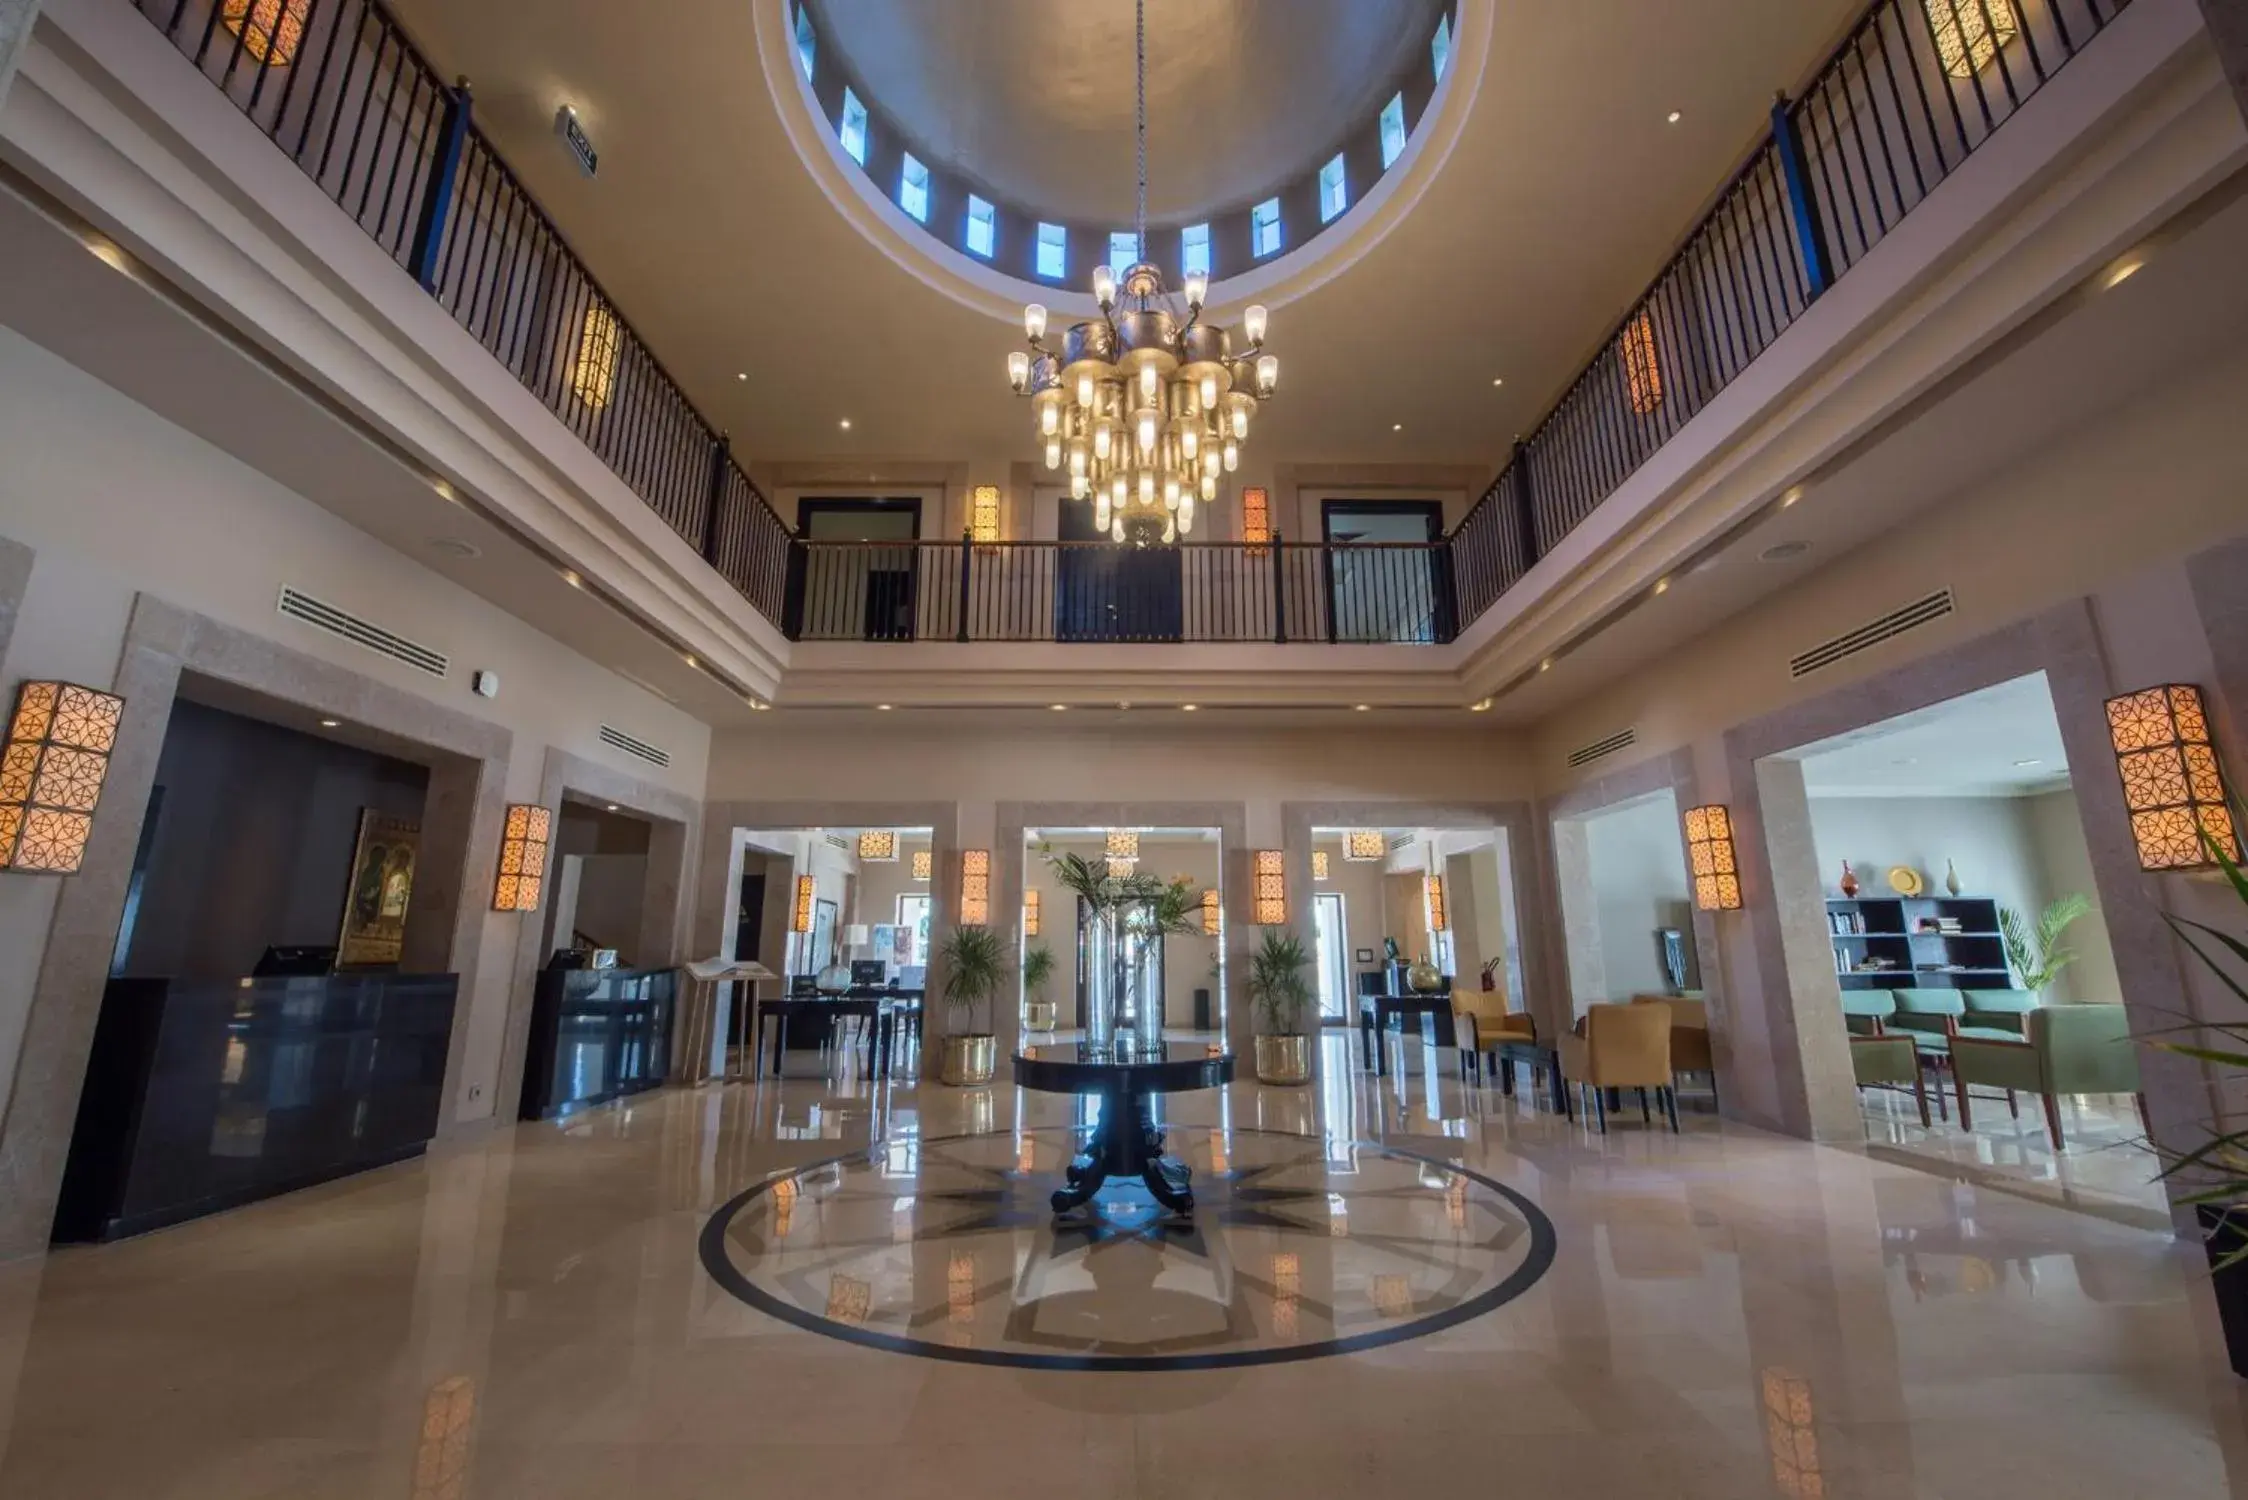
(202, 1096)
(597, 1035)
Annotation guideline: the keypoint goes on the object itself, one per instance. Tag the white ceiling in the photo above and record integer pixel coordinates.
(2000, 742)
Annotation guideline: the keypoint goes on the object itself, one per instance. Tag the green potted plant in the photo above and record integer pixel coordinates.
(1038, 972)
(975, 966)
(2036, 953)
(1281, 994)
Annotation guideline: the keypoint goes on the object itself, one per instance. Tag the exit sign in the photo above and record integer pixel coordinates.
(573, 135)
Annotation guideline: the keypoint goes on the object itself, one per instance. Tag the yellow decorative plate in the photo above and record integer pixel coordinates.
(1906, 881)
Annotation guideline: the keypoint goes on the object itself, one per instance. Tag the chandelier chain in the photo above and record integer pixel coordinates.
(1139, 224)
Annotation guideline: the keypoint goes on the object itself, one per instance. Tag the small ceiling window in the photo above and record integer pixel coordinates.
(1334, 189)
(806, 43)
(1053, 251)
(1123, 251)
(1194, 250)
(1264, 228)
(854, 127)
(983, 228)
(1440, 50)
(913, 188)
(1393, 131)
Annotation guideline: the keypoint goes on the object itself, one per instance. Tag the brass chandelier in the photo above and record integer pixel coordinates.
(1146, 406)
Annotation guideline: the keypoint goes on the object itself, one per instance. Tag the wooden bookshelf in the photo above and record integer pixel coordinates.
(1919, 942)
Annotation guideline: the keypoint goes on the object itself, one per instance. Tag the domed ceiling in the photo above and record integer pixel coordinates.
(1033, 98)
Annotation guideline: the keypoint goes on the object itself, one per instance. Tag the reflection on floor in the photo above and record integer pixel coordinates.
(2105, 1168)
(527, 1313)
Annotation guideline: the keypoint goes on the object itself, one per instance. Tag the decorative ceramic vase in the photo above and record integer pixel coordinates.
(968, 1061)
(1425, 977)
(1849, 880)
(1951, 878)
(1284, 1059)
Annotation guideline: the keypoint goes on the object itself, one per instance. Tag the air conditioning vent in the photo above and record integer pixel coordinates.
(839, 841)
(1585, 755)
(618, 739)
(1873, 633)
(1398, 841)
(341, 622)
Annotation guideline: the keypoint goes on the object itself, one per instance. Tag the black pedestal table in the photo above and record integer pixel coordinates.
(1126, 1143)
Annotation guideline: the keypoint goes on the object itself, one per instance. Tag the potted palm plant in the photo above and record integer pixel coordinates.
(975, 966)
(1281, 994)
(1038, 972)
(2036, 952)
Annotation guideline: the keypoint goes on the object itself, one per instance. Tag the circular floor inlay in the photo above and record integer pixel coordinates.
(1299, 1248)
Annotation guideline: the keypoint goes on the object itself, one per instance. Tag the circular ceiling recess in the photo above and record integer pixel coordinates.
(1032, 99)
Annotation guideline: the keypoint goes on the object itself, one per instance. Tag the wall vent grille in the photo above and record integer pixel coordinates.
(1873, 633)
(1585, 755)
(618, 739)
(838, 841)
(302, 607)
(1400, 841)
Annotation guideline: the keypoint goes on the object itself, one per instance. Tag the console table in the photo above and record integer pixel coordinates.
(1375, 1012)
(880, 1009)
(1126, 1143)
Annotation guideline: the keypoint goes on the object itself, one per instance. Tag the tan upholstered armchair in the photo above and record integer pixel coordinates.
(1481, 1024)
(1689, 1035)
(1622, 1047)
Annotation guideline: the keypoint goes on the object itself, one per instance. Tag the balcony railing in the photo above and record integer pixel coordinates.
(1364, 593)
(1916, 88)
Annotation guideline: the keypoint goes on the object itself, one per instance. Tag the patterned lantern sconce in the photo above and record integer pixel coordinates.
(800, 920)
(975, 887)
(1271, 889)
(1123, 854)
(1256, 519)
(1030, 913)
(1709, 855)
(593, 375)
(983, 513)
(924, 863)
(1213, 915)
(1643, 368)
(51, 774)
(879, 846)
(271, 31)
(1438, 919)
(1969, 33)
(2171, 782)
(523, 858)
(1319, 864)
(1363, 844)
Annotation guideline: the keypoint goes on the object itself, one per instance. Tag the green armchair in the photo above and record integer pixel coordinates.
(2064, 1049)
(1890, 1062)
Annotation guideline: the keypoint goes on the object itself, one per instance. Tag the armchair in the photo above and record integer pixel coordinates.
(1888, 1062)
(1481, 1024)
(1622, 1047)
(1689, 1034)
(2065, 1049)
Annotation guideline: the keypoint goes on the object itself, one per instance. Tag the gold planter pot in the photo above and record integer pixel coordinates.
(1039, 1015)
(1284, 1059)
(968, 1061)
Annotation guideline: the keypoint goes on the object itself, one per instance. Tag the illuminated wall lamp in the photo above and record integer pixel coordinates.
(1710, 858)
(1319, 864)
(1438, 919)
(1969, 33)
(879, 846)
(983, 513)
(800, 920)
(1363, 844)
(1271, 888)
(924, 864)
(271, 31)
(523, 849)
(2171, 781)
(1213, 915)
(975, 887)
(1030, 913)
(51, 774)
(593, 374)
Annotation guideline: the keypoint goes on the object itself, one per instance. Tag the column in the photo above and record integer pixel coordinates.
(2228, 29)
(16, 17)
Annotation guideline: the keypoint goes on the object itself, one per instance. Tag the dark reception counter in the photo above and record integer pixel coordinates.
(596, 1035)
(204, 1096)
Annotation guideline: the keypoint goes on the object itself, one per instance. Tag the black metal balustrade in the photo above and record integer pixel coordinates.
(1916, 87)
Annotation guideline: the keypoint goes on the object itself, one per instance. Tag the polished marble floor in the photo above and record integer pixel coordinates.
(2105, 1166)
(1726, 1314)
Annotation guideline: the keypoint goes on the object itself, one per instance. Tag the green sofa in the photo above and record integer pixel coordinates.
(2064, 1049)
(1937, 1017)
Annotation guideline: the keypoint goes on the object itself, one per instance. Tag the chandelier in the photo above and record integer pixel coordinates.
(1147, 406)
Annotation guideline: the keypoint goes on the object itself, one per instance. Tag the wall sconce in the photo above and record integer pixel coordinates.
(523, 858)
(983, 513)
(1319, 864)
(2171, 782)
(1256, 518)
(1970, 32)
(1271, 889)
(1030, 913)
(1213, 914)
(1643, 367)
(1123, 845)
(879, 846)
(593, 374)
(51, 774)
(1438, 920)
(924, 863)
(800, 920)
(271, 30)
(975, 887)
(1363, 844)
(1709, 855)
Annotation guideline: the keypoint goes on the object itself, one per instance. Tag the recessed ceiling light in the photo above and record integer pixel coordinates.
(1364, 707)
(570, 577)
(1061, 708)
(1794, 494)
(1676, 116)
(2124, 272)
(612, 807)
(741, 375)
(845, 424)
(1546, 665)
(690, 660)
(1188, 708)
(2030, 762)
(329, 723)
(1498, 380)
(882, 708)
(1397, 427)
(444, 490)
(1782, 551)
(1483, 707)
(1662, 585)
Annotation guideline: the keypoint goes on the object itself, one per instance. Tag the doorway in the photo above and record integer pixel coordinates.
(1385, 576)
(1104, 591)
(1334, 958)
(864, 583)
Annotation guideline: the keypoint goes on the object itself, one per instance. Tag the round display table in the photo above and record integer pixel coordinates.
(1126, 1143)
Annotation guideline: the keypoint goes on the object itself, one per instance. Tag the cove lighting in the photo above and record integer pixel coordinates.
(51, 774)
(2172, 784)
(1710, 858)
(523, 846)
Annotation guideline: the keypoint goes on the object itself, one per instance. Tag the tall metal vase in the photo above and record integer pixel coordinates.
(1123, 982)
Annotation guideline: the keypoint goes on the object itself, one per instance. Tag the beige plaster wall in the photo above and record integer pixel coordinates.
(1637, 859)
